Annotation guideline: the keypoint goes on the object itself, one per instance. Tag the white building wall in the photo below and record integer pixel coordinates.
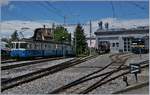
(118, 40)
(93, 42)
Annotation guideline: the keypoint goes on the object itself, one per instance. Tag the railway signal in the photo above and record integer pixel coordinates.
(135, 69)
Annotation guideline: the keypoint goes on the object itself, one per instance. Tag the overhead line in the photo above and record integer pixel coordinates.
(113, 9)
(138, 6)
(47, 7)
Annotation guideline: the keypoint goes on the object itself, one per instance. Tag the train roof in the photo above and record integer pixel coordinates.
(40, 41)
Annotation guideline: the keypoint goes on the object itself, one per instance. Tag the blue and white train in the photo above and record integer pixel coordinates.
(31, 49)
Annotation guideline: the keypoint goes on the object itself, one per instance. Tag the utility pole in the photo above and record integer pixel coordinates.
(65, 19)
(90, 35)
(53, 28)
(75, 36)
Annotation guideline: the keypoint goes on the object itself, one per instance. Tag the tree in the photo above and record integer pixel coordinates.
(61, 34)
(14, 36)
(80, 40)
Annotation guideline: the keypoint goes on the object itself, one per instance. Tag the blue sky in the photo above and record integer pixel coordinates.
(76, 11)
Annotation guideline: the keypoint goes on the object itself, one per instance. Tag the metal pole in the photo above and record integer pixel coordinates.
(75, 42)
(53, 27)
(90, 35)
(136, 78)
(64, 51)
(63, 47)
(140, 53)
(64, 20)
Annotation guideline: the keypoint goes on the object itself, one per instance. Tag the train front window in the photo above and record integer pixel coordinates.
(17, 45)
(13, 45)
(23, 45)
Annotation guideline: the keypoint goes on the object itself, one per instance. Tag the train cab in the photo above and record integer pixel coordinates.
(19, 49)
(23, 49)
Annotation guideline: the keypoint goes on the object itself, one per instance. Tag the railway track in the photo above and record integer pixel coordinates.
(22, 60)
(6, 84)
(121, 59)
(8, 61)
(25, 63)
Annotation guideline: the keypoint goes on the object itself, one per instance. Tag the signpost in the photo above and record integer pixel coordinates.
(135, 69)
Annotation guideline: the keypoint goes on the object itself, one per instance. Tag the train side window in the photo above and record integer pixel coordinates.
(53, 46)
(40, 46)
(30, 46)
(23, 45)
(33, 46)
(45, 46)
(49, 47)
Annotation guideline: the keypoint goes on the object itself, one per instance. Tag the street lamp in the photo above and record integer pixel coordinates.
(63, 51)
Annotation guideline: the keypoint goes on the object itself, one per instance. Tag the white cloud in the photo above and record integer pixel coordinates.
(4, 2)
(122, 23)
(8, 27)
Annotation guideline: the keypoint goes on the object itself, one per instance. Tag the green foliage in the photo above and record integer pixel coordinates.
(61, 34)
(80, 40)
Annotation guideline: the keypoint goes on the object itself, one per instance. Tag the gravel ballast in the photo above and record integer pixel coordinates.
(48, 83)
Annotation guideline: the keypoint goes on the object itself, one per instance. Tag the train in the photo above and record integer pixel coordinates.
(140, 45)
(33, 48)
(41, 44)
(103, 47)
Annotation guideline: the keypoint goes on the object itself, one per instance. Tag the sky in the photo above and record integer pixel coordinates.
(33, 14)
(75, 11)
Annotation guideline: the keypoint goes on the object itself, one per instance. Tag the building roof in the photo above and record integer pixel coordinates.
(42, 33)
(121, 31)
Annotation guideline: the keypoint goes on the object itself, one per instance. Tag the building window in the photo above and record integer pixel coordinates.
(117, 44)
(125, 49)
(124, 39)
(125, 42)
(125, 46)
(113, 44)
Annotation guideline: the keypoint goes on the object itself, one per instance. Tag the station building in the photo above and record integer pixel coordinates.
(120, 40)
